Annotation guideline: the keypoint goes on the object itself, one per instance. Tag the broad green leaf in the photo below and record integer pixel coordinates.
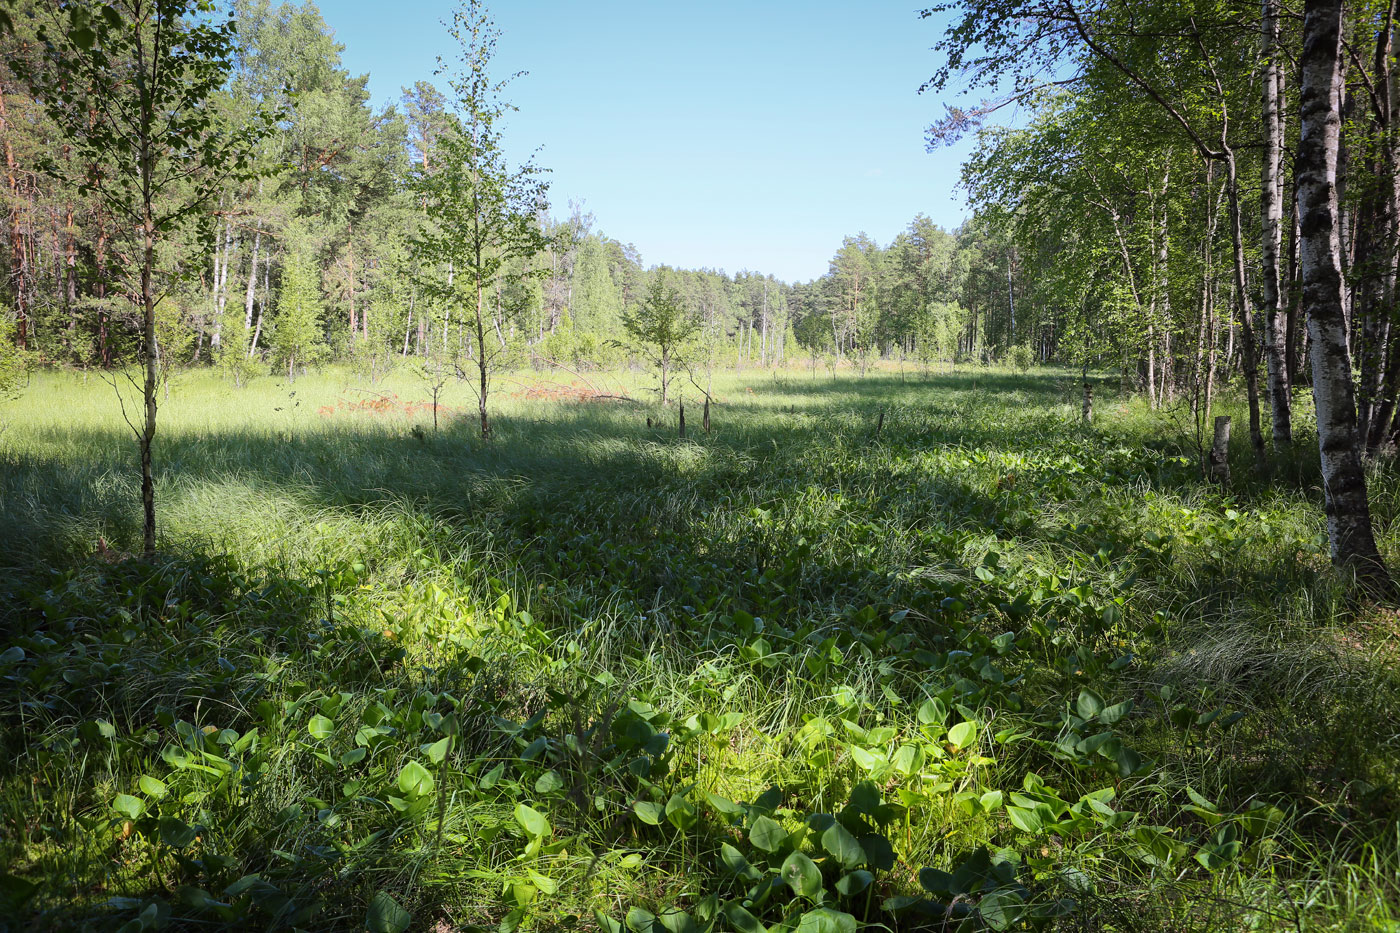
(176, 833)
(605, 923)
(932, 712)
(676, 920)
(648, 812)
(152, 786)
(865, 759)
(802, 875)
(865, 797)
(853, 883)
(415, 780)
(824, 920)
(1089, 704)
(386, 916)
(129, 806)
(734, 860)
(724, 805)
(549, 783)
(909, 760)
(544, 883)
(1112, 714)
(742, 920)
(1128, 761)
(532, 821)
(937, 881)
(767, 835)
(1002, 908)
(437, 751)
(1263, 819)
(1024, 820)
(963, 734)
(680, 812)
(842, 846)
(640, 920)
(321, 729)
(15, 891)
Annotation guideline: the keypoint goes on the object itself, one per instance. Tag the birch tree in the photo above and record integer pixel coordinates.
(479, 212)
(1344, 481)
(130, 86)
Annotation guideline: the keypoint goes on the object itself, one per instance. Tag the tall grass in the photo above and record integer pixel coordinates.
(784, 595)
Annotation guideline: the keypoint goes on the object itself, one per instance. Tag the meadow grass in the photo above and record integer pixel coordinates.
(911, 649)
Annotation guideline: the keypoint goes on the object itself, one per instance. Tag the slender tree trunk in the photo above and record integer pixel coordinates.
(151, 352)
(1271, 188)
(1368, 313)
(1149, 381)
(1292, 348)
(447, 307)
(221, 288)
(481, 361)
(220, 267)
(665, 376)
(262, 307)
(1162, 297)
(252, 280)
(104, 347)
(1250, 355)
(350, 286)
(1209, 338)
(1388, 236)
(1344, 480)
(18, 256)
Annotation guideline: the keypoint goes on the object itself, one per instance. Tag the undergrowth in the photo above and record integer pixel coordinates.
(911, 652)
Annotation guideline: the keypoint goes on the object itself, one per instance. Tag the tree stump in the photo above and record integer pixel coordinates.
(1219, 458)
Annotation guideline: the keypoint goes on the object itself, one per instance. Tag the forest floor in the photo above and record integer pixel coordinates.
(909, 650)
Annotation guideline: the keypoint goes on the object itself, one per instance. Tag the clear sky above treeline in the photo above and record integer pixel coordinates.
(724, 134)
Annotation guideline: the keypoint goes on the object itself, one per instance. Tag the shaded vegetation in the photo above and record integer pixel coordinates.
(903, 650)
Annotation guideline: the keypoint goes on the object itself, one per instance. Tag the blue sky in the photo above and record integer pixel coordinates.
(724, 134)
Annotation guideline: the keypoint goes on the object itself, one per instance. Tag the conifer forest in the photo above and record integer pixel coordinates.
(390, 544)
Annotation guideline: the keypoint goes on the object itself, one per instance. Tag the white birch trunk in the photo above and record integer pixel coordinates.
(1344, 482)
(1275, 324)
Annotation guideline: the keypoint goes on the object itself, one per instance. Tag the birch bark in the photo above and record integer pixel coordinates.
(1275, 323)
(1344, 482)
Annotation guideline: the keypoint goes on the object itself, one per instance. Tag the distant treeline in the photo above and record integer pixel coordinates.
(314, 261)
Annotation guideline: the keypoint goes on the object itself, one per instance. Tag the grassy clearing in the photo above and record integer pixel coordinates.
(984, 666)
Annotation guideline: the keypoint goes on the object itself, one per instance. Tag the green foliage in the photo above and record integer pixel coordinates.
(14, 362)
(763, 670)
(1020, 357)
(296, 333)
(661, 328)
(479, 228)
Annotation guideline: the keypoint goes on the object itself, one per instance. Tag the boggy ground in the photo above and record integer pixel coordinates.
(913, 650)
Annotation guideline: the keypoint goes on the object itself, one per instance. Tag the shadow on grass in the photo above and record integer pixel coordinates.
(788, 513)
